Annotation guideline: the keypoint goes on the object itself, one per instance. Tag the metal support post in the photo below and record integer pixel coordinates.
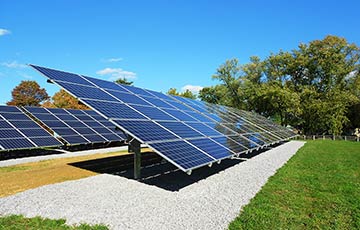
(136, 148)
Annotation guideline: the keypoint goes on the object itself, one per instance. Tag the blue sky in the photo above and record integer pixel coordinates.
(160, 44)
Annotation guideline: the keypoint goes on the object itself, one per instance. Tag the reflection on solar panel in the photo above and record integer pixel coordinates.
(188, 133)
(18, 131)
(77, 126)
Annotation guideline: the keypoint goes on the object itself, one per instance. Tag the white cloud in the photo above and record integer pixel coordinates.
(192, 88)
(116, 73)
(13, 64)
(113, 59)
(4, 32)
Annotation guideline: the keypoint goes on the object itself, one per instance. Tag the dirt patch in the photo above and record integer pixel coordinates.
(22, 177)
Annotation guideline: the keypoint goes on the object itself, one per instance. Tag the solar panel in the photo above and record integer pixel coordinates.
(75, 126)
(176, 128)
(18, 131)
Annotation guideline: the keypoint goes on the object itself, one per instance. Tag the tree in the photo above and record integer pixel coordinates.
(187, 93)
(229, 75)
(62, 99)
(28, 93)
(315, 87)
(123, 81)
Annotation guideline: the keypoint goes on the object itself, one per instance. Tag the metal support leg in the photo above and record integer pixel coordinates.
(135, 146)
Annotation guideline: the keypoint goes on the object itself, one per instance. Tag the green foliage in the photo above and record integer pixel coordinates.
(19, 222)
(123, 81)
(315, 88)
(317, 189)
(187, 93)
(28, 93)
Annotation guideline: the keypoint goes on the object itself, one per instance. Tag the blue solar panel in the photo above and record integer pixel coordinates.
(212, 148)
(204, 129)
(44, 141)
(254, 139)
(18, 129)
(76, 122)
(158, 102)
(10, 133)
(84, 131)
(87, 92)
(114, 110)
(179, 106)
(113, 137)
(27, 124)
(182, 153)
(64, 131)
(181, 116)
(61, 76)
(180, 129)
(128, 98)
(230, 144)
(19, 143)
(136, 90)
(14, 116)
(244, 142)
(75, 139)
(66, 117)
(199, 117)
(37, 132)
(160, 95)
(54, 124)
(153, 113)
(146, 131)
(176, 118)
(106, 84)
(5, 125)
(95, 138)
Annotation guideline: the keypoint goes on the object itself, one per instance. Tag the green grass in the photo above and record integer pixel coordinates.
(15, 222)
(13, 168)
(319, 188)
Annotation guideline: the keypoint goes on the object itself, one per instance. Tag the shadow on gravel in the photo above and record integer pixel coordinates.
(155, 171)
(158, 172)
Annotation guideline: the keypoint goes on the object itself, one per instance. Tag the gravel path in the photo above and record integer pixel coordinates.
(17, 161)
(123, 203)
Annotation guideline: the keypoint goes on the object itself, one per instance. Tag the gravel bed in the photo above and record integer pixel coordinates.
(121, 203)
(10, 162)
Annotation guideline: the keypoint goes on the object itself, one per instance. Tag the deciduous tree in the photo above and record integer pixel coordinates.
(28, 93)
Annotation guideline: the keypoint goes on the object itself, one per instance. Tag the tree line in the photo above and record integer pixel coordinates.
(314, 88)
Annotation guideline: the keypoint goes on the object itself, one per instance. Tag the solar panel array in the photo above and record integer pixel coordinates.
(186, 132)
(77, 126)
(18, 131)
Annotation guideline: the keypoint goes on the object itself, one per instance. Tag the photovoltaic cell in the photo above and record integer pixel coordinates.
(18, 131)
(147, 131)
(180, 129)
(182, 153)
(171, 119)
(212, 148)
(75, 126)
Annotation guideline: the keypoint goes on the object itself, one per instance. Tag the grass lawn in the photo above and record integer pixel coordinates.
(18, 178)
(319, 188)
(19, 222)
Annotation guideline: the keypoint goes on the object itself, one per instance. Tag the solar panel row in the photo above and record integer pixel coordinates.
(18, 131)
(186, 132)
(77, 126)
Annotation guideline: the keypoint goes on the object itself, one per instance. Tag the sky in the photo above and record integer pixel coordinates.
(157, 44)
